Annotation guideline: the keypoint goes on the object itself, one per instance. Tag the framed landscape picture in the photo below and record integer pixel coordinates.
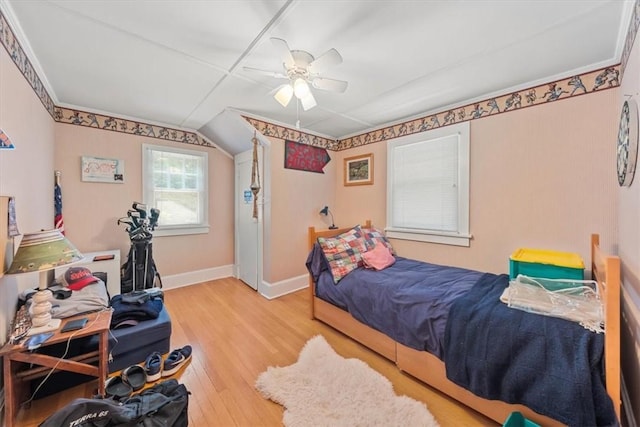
(358, 170)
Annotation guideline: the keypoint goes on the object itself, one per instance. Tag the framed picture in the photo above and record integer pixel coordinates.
(5, 142)
(96, 169)
(358, 170)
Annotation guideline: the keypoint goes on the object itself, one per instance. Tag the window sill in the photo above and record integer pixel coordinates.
(455, 239)
(180, 231)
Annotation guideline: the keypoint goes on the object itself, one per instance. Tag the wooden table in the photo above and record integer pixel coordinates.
(16, 355)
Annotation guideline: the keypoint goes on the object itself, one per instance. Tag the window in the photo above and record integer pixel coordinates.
(175, 182)
(428, 186)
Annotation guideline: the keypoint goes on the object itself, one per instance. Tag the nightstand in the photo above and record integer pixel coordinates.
(16, 356)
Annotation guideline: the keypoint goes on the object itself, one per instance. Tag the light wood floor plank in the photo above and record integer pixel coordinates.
(236, 334)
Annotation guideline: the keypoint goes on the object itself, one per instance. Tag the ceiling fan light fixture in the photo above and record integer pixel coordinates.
(301, 88)
(284, 94)
(308, 102)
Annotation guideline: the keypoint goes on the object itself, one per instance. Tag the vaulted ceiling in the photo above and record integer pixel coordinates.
(182, 62)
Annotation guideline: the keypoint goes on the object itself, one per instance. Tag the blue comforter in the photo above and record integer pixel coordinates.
(408, 301)
(551, 365)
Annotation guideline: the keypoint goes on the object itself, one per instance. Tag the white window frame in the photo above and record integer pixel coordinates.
(148, 190)
(462, 236)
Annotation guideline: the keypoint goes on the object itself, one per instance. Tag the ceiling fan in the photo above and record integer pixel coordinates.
(303, 72)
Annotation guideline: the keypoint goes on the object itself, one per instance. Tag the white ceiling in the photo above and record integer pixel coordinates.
(180, 62)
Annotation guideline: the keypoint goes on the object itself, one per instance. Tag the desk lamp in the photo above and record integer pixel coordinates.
(43, 251)
(325, 211)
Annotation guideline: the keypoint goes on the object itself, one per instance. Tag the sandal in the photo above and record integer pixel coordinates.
(135, 376)
(117, 389)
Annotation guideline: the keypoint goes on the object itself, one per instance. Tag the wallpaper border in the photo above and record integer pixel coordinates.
(632, 31)
(604, 78)
(84, 118)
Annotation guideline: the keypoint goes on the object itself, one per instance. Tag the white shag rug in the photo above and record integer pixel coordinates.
(324, 389)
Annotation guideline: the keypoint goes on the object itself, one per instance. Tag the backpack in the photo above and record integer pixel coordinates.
(163, 405)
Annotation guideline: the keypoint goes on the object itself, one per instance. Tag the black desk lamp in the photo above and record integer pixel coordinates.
(325, 211)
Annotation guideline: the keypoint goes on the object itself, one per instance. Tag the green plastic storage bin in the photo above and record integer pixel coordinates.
(516, 419)
(546, 263)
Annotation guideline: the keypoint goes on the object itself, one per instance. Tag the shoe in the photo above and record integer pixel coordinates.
(153, 366)
(175, 360)
(135, 376)
(116, 388)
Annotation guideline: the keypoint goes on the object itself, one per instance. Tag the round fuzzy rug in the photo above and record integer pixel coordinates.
(324, 389)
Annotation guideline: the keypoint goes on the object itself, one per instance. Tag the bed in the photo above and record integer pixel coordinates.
(427, 361)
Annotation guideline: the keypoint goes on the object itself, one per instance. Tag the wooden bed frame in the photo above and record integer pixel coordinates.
(429, 369)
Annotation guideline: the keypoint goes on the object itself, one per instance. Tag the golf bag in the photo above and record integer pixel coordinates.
(139, 270)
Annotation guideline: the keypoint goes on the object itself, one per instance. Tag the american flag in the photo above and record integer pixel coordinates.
(57, 203)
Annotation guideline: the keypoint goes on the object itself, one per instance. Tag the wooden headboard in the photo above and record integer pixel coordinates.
(313, 238)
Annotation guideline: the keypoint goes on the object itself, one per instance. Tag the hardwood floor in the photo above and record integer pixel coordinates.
(236, 334)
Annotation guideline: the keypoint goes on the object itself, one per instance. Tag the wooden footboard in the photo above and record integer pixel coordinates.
(605, 269)
(431, 370)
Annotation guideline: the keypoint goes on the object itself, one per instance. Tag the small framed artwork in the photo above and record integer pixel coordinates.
(96, 169)
(5, 142)
(358, 170)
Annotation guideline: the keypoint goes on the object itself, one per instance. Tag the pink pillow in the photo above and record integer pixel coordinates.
(378, 258)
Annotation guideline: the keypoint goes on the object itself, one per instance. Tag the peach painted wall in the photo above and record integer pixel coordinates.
(296, 200)
(540, 177)
(91, 210)
(26, 173)
(629, 251)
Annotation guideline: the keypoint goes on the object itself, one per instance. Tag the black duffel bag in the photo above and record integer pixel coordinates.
(165, 404)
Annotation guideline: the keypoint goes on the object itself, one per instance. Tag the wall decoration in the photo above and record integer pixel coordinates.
(96, 169)
(5, 142)
(305, 157)
(358, 170)
(255, 175)
(627, 143)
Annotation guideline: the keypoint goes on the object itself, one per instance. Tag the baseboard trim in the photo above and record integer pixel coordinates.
(198, 276)
(283, 287)
(266, 289)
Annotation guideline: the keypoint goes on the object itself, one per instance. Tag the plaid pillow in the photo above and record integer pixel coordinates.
(373, 236)
(344, 252)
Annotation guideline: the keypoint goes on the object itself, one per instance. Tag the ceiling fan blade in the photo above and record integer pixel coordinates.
(283, 94)
(324, 61)
(331, 85)
(308, 102)
(283, 50)
(265, 72)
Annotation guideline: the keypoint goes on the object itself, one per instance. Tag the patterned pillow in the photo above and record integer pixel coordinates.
(373, 236)
(344, 252)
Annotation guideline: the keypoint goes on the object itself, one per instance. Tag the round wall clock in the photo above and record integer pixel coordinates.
(627, 144)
